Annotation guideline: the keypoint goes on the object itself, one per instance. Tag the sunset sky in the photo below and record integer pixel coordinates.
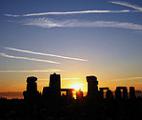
(74, 38)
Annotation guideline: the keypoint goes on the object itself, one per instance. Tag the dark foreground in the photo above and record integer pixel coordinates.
(15, 109)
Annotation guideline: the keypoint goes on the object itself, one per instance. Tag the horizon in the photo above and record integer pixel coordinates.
(76, 87)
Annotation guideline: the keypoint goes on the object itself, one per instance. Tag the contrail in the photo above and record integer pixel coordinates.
(44, 54)
(68, 13)
(27, 58)
(126, 4)
(30, 71)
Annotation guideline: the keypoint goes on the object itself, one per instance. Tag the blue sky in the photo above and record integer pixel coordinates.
(73, 37)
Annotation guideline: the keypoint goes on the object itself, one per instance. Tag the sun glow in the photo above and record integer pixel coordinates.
(77, 86)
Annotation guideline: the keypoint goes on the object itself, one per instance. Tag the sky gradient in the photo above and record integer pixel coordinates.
(75, 38)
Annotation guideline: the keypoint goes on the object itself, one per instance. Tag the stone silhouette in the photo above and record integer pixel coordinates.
(58, 103)
(31, 94)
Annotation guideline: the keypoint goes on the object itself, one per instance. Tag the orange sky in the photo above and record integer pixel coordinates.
(17, 82)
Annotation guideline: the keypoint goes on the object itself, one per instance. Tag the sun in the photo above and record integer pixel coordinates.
(77, 86)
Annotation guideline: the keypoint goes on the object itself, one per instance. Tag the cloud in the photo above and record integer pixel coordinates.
(128, 78)
(72, 78)
(11, 15)
(51, 23)
(30, 71)
(27, 58)
(44, 54)
(126, 4)
(69, 13)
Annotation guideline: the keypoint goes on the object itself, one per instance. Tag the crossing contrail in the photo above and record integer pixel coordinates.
(126, 4)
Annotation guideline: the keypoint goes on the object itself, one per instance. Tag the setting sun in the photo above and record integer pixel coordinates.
(77, 86)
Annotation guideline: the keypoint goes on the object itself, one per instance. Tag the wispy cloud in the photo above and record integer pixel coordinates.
(51, 23)
(126, 4)
(27, 58)
(30, 71)
(72, 78)
(11, 15)
(44, 54)
(69, 13)
(128, 78)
